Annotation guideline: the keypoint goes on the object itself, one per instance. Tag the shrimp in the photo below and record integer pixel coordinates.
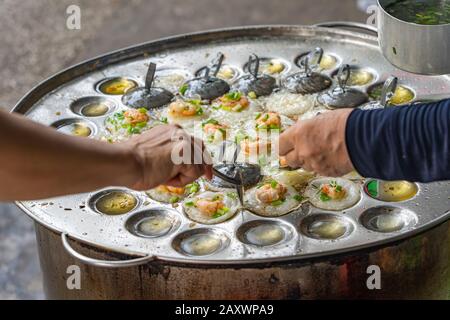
(255, 147)
(214, 130)
(135, 116)
(333, 191)
(183, 109)
(209, 206)
(169, 189)
(233, 101)
(271, 192)
(269, 120)
(283, 162)
(211, 128)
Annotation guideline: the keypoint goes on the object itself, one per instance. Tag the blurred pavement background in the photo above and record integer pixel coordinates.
(35, 43)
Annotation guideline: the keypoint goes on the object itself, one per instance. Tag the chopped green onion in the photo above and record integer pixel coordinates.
(193, 187)
(195, 102)
(277, 203)
(234, 96)
(237, 108)
(324, 197)
(183, 89)
(221, 212)
(232, 195)
(141, 124)
(119, 115)
(261, 127)
(174, 199)
(274, 127)
(199, 111)
(298, 197)
(210, 121)
(189, 204)
(273, 184)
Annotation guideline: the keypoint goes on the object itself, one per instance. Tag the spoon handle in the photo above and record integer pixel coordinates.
(150, 75)
(217, 63)
(388, 90)
(253, 65)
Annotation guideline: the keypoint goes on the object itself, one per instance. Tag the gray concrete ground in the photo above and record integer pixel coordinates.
(35, 43)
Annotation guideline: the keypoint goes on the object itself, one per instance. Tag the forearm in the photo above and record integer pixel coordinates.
(38, 162)
(401, 143)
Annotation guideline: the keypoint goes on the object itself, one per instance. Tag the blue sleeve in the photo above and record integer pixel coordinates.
(401, 143)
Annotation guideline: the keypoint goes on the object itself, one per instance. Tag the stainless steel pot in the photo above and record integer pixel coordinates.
(414, 268)
(421, 49)
(116, 263)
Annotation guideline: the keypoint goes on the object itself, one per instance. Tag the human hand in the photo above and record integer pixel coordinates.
(157, 153)
(318, 144)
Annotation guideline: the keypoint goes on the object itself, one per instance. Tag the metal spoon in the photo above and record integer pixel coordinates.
(148, 96)
(388, 90)
(313, 59)
(235, 173)
(343, 76)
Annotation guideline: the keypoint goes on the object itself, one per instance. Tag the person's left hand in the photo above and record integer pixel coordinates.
(318, 145)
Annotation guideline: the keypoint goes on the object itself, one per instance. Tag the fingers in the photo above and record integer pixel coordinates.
(167, 155)
(293, 161)
(308, 167)
(175, 182)
(208, 171)
(194, 160)
(186, 175)
(287, 141)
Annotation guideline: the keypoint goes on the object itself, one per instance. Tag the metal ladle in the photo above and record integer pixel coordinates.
(260, 85)
(240, 175)
(342, 96)
(387, 92)
(148, 97)
(206, 85)
(308, 82)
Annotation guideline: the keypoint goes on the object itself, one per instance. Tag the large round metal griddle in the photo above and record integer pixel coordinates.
(71, 215)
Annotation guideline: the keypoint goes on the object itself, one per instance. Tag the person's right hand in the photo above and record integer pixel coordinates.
(156, 154)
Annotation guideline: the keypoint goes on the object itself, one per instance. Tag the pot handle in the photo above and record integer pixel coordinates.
(344, 24)
(103, 263)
